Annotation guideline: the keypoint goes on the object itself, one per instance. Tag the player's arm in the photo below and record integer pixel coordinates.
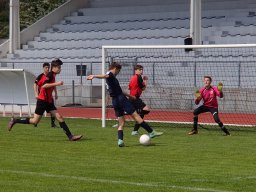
(35, 87)
(100, 76)
(145, 81)
(49, 85)
(141, 83)
(219, 88)
(55, 93)
(198, 96)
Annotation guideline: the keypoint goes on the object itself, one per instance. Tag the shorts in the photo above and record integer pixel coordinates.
(138, 104)
(204, 109)
(121, 105)
(42, 106)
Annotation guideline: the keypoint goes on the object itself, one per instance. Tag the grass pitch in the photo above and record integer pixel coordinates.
(42, 159)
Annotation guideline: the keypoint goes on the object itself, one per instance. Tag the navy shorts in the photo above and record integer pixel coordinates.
(121, 104)
(42, 106)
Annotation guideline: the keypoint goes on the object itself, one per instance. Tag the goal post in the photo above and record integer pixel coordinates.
(16, 87)
(175, 72)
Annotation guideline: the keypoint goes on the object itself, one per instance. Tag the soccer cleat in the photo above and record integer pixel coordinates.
(115, 126)
(11, 123)
(75, 137)
(193, 132)
(54, 125)
(135, 133)
(120, 143)
(155, 134)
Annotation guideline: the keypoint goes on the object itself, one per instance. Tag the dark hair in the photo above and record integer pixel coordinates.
(138, 67)
(46, 64)
(115, 65)
(208, 77)
(56, 62)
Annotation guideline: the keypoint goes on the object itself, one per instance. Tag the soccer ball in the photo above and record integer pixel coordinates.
(144, 139)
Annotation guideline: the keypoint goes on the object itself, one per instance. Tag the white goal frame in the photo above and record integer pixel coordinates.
(104, 56)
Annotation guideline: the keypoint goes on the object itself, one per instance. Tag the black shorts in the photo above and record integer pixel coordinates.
(138, 104)
(42, 106)
(121, 105)
(204, 109)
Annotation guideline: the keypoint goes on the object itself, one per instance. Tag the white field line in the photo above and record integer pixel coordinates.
(87, 179)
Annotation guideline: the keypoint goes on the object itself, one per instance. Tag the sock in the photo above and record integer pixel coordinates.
(223, 128)
(24, 120)
(120, 134)
(136, 127)
(195, 123)
(52, 120)
(146, 127)
(65, 128)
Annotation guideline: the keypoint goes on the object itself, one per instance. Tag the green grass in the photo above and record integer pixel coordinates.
(41, 159)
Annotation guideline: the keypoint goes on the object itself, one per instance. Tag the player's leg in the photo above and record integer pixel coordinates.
(120, 132)
(216, 118)
(119, 112)
(40, 108)
(142, 123)
(196, 112)
(65, 127)
(142, 109)
(53, 125)
(129, 108)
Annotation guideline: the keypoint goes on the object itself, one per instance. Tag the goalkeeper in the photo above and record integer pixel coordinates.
(209, 95)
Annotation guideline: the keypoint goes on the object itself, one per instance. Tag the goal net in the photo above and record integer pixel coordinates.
(175, 72)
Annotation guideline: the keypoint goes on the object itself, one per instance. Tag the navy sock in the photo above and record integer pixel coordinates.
(65, 128)
(120, 134)
(24, 120)
(146, 127)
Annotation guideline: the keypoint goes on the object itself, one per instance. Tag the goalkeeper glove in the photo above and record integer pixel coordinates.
(197, 93)
(220, 87)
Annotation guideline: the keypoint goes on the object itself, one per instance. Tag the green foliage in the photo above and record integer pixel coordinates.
(42, 159)
(30, 12)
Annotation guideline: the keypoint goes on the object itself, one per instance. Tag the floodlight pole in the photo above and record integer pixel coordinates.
(14, 25)
(195, 21)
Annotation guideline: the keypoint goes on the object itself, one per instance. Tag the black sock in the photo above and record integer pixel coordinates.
(65, 128)
(195, 123)
(120, 134)
(136, 127)
(146, 127)
(24, 120)
(52, 120)
(223, 128)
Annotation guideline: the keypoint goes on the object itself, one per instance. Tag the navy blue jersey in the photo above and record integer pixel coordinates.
(114, 88)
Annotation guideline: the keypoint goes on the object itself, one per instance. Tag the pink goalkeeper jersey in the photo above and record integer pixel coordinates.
(209, 96)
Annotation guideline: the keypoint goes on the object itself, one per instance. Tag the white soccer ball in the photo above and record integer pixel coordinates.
(144, 139)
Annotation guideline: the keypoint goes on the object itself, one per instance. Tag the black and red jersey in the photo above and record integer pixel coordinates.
(46, 93)
(40, 80)
(136, 85)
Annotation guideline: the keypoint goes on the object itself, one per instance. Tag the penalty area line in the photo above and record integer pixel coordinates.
(88, 179)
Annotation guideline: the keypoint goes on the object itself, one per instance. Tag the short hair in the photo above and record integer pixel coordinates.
(56, 62)
(138, 67)
(208, 77)
(115, 65)
(46, 64)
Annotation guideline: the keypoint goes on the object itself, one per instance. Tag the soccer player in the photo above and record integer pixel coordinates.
(45, 102)
(120, 102)
(39, 83)
(209, 95)
(136, 86)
